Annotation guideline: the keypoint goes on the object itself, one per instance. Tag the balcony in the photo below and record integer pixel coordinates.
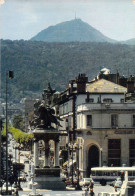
(105, 106)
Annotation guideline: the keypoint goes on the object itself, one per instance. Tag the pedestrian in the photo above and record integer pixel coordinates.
(115, 187)
(90, 187)
(91, 192)
(122, 176)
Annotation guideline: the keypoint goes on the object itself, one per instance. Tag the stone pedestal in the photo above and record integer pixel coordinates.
(49, 178)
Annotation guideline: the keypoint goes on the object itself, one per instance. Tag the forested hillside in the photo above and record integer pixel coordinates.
(37, 63)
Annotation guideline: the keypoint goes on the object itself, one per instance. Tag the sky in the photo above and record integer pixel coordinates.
(23, 19)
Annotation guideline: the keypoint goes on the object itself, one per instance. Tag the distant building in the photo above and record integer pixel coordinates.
(99, 118)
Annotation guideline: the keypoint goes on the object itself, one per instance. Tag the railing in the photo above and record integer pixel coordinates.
(106, 106)
(124, 189)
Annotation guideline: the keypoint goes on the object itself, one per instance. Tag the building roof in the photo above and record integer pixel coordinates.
(104, 86)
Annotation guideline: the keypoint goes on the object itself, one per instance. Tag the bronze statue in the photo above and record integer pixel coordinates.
(44, 117)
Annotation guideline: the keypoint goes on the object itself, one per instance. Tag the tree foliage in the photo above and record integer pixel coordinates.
(18, 122)
(19, 136)
(37, 63)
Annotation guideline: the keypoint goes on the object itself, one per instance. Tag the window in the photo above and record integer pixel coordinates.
(89, 120)
(114, 120)
(89, 100)
(131, 152)
(122, 100)
(114, 152)
(133, 120)
(107, 100)
(70, 122)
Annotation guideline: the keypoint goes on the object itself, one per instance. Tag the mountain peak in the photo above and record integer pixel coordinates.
(70, 31)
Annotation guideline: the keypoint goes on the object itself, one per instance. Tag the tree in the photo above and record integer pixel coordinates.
(18, 122)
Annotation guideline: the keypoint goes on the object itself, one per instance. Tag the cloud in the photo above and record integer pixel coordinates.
(2, 2)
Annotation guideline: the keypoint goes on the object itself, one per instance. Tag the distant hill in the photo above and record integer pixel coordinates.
(37, 63)
(74, 30)
(129, 42)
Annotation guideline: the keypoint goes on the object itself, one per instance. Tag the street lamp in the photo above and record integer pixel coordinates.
(9, 74)
(72, 165)
(19, 147)
(101, 149)
(71, 150)
(77, 161)
(0, 151)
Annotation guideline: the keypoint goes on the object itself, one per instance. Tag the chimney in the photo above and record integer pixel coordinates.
(130, 86)
(81, 83)
(117, 78)
(71, 87)
(101, 75)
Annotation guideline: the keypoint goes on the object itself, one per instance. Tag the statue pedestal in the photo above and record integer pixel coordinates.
(49, 178)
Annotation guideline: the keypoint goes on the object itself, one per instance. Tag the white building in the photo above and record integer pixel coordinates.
(99, 120)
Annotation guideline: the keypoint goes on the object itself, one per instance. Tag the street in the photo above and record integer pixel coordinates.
(54, 193)
(97, 189)
(24, 185)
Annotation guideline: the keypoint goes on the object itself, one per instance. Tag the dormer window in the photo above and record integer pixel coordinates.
(122, 100)
(89, 100)
(107, 100)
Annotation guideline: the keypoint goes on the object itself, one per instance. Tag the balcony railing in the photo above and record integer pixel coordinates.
(106, 106)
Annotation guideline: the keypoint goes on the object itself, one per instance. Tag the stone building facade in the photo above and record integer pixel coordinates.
(99, 119)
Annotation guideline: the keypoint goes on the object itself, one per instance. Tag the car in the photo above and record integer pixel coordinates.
(10, 188)
(85, 181)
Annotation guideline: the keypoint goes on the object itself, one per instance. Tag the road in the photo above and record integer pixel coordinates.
(11, 150)
(55, 193)
(97, 189)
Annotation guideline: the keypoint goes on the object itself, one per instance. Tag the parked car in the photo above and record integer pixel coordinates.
(10, 188)
(85, 181)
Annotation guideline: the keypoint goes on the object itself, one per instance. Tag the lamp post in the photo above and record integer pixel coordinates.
(19, 147)
(15, 147)
(9, 74)
(0, 151)
(77, 161)
(72, 165)
(101, 157)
